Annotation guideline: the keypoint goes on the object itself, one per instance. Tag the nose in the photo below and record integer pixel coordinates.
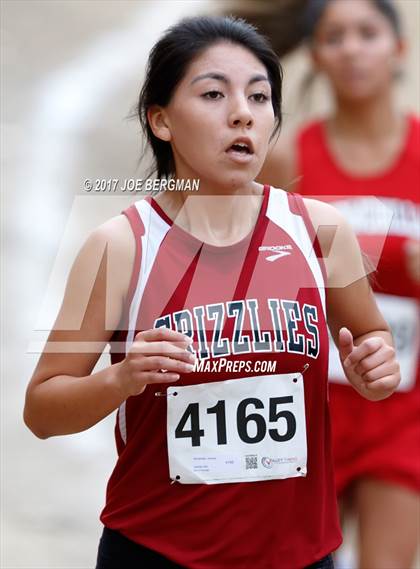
(240, 114)
(351, 45)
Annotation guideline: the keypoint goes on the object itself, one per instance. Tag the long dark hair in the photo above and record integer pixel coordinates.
(174, 52)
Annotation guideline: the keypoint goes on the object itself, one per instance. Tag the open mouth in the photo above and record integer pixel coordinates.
(240, 147)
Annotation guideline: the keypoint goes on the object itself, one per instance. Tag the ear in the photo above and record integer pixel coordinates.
(397, 59)
(401, 48)
(313, 57)
(159, 122)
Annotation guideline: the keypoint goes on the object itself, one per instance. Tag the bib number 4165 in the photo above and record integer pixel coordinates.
(244, 418)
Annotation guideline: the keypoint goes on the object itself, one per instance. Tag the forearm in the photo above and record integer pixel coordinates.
(66, 404)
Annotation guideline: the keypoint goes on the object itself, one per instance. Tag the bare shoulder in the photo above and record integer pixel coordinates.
(327, 221)
(280, 166)
(116, 237)
(338, 242)
(116, 232)
(102, 269)
(322, 212)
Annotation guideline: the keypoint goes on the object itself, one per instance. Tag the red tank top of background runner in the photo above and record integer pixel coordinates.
(276, 524)
(386, 444)
(397, 188)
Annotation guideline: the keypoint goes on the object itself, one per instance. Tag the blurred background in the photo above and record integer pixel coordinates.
(71, 71)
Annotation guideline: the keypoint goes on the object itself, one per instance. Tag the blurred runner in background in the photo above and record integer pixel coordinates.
(367, 148)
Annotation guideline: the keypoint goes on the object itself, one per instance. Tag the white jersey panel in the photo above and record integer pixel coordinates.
(278, 211)
(155, 229)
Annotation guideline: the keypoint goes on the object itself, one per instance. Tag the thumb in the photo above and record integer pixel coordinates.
(345, 343)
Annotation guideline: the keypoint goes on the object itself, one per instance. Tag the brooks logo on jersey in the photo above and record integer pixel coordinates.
(279, 250)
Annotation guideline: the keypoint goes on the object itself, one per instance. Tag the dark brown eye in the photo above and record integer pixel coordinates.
(260, 97)
(212, 95)
(368, 33)
(333, 38)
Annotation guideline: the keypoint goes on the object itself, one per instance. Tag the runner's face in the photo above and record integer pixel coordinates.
(356, 47)
(224, 95)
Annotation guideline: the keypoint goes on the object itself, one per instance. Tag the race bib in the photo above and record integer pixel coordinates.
(402, 316)
(237, 430)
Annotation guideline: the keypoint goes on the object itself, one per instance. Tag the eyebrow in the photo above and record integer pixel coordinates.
(224, 79)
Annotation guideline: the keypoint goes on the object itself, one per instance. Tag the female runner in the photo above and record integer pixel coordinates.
(214, 305)
(368, 149)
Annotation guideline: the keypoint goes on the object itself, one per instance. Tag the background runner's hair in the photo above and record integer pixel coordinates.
(174, 52)
(289, 23)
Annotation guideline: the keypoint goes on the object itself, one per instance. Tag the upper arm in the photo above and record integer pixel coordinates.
(92, 305)
(280, 166)
(350, 300)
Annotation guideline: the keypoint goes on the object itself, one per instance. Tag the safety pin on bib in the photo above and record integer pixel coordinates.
(164, 393)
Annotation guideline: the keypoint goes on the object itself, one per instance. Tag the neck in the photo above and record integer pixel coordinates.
(370, 118)
(218, 218)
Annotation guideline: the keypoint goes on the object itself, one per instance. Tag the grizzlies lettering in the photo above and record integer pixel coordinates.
(294, 328)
